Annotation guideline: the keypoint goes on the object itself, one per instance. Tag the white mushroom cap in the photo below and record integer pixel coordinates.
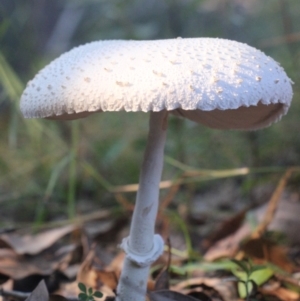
(219, 83)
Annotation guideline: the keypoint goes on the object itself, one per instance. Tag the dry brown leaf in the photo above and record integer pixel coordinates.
(116, 264)
(20, 266)
(162, 280)
(285, 221)
(108, 278)
(40, 293)
(225, 289)
(105, 280)
(228, 227)
(71, 270)
(68, 289)
(86, 273)
(281, 293)
(34, 244)
(229, 246)
(264, 250)
(8, 285)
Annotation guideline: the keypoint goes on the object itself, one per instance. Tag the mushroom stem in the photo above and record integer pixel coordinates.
(146, 206)
(142, 247)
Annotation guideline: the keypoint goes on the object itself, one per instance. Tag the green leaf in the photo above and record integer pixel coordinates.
(240, 275)
(82, 287)
(262, 275)
(243, 288)
(258, 277)
(244, 265)
(83, 297)
(90, 292)
(257, 268)
(98, 294)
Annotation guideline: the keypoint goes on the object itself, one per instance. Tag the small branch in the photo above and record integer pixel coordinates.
(198, 175)
(272, 205)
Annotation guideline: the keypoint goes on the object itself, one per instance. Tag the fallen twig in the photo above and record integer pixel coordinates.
(272, 205)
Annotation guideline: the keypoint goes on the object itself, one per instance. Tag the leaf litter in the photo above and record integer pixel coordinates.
(84, 253)
(34, 244)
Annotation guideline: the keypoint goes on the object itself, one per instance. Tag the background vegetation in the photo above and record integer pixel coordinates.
(44, 164)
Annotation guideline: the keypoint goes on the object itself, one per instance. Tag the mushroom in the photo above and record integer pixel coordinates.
(219, 83)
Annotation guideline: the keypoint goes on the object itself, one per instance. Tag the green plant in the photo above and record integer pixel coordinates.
(88, 294)
(250, 276)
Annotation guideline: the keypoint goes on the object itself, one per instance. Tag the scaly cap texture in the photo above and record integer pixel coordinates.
(219, 83)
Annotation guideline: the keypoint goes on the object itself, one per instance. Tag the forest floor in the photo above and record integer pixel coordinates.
(222, 249)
